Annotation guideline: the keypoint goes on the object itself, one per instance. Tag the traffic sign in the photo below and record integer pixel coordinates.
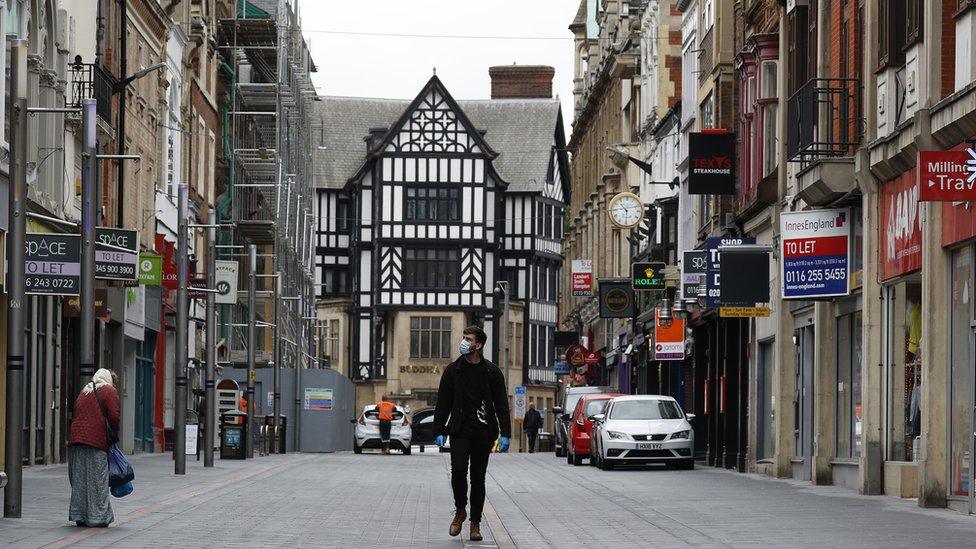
(520, 390)
(520, 401)
(52, 264)
(562, 368)
(111, 263)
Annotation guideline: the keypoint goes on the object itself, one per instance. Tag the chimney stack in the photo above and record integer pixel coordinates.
(521, 81)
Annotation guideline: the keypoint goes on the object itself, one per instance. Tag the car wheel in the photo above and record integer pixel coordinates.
(606, 464)
(569, 457)
(356, 449)
(406, 451)
(577, 460)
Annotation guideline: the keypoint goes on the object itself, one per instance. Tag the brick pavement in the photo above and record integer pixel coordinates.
(345, 500)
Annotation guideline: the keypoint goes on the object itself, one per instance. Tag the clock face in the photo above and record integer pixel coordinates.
(626, 210)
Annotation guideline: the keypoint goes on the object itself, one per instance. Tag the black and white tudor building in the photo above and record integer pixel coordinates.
(423, 206)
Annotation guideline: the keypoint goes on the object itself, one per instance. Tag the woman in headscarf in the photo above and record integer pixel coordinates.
(88, 444)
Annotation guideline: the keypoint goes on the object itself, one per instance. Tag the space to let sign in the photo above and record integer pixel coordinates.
(815, 252)
(53, 264)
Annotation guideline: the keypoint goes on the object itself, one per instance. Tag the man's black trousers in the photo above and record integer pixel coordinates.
(531, 434)
(385, 426)
(475, 451)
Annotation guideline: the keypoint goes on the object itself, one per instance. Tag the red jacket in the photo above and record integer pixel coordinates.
(88, 425)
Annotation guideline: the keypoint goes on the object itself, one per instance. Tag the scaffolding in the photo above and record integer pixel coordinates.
(269, 195)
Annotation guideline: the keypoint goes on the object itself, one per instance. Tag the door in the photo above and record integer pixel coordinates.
(145, 382)
(803, 404)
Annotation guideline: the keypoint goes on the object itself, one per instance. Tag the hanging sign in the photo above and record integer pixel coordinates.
(112, 263)
(901, 226)
(711, 162)
(943, 176)
(562, 368)
(816, 253)
(53, 264)
(170, 272)
(713, 265)
(744, 312)
(225, 275)
(72, 305)
(150, 269)
(616, 298)
(582, 277)
(693, 270)
(669, 339)
(648, 276)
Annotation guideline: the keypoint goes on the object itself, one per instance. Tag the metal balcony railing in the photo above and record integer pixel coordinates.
(91, 80)
(824, 119)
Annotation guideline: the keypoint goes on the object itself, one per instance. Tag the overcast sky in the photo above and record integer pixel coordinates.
(397, 66)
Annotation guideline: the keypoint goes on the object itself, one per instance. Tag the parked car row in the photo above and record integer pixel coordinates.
(611, 429)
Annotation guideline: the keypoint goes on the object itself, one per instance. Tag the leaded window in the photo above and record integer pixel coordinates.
(432, 204)
(431, 269)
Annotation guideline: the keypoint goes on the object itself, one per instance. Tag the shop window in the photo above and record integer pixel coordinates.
(849, 427)
(905, 362)
(962, 339)
(765, 431)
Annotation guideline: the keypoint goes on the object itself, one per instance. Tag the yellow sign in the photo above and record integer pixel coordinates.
(252, 375)
(743, 312)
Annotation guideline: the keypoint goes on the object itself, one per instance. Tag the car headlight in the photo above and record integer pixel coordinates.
(680, 434)
(619, 435)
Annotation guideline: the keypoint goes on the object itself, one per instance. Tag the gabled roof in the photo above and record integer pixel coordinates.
(520, 132)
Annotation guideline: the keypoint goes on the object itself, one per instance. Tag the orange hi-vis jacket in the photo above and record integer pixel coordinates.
(385, 410)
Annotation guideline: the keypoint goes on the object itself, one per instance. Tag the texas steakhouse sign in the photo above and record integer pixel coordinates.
(816, 253)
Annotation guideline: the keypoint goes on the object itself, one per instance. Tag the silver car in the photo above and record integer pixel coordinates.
(642, 429)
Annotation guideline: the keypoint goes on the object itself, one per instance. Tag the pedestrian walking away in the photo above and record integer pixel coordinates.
(532, 422)
(472, 408)
(88, 444)
(385, 410)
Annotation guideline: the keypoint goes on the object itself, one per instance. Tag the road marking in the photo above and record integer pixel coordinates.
(144, 511)
(498, 531)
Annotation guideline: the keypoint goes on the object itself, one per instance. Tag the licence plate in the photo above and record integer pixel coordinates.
(649, 446)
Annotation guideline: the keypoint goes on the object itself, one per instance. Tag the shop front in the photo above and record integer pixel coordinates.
(901, 273)
(959, 240)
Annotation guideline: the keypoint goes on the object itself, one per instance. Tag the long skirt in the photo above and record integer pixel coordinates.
(88, 475)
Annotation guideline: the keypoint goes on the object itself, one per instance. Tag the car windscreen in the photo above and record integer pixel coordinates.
(594, 407)
(374, 415)
(645, 409)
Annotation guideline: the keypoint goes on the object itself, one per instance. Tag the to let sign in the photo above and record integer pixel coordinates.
(816, 253)
(693, 270)
(669, 339)
(111, 263)
(648, 276)
(943, 176)
(582, 277)
(53, 264)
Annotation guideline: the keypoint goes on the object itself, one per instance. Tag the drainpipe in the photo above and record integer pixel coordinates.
(227, 198)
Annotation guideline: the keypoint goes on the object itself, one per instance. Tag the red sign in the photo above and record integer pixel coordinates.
(901, 226)
(943, 177)
(582, 277)
(170, 272)
(958, 222)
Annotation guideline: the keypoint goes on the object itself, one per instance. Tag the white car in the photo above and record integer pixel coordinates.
(368, 431)
(642, 429)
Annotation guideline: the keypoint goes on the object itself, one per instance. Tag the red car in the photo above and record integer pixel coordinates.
(581, 427)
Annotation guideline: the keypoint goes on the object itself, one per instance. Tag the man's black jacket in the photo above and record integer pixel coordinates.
(532, 420)
(448, 414)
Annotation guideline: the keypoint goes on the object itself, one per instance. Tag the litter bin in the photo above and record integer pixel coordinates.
(233, 435)
(545, 442)
(271, 438)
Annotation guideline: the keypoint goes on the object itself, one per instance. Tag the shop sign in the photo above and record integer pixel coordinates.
(711, 163)
(150, 269)
(170, 273)
(225, 276)
(745, 277)
(901, 226)
(561, 368)
(648, 276)
(72, 305)
(943, 176)
(616, 298)
(112, 263)
(744, 312)
(815, 248)
(582, 277)
(713, 264)
(415, 369)
(669, 339)
(53, 264)
(693, 270)
(575, 355)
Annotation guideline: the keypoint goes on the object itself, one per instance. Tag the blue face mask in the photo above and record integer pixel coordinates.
(464, 347)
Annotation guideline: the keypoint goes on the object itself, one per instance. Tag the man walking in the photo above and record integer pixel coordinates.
(531, 423)
(472, 407)
(385, 411)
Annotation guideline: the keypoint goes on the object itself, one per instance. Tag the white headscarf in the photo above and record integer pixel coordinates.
(101, 377)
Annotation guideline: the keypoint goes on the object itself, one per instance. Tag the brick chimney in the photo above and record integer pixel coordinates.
(521, 81)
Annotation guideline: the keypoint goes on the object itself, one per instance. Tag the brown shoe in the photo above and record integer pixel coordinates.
(458, 521)
(476, 531)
